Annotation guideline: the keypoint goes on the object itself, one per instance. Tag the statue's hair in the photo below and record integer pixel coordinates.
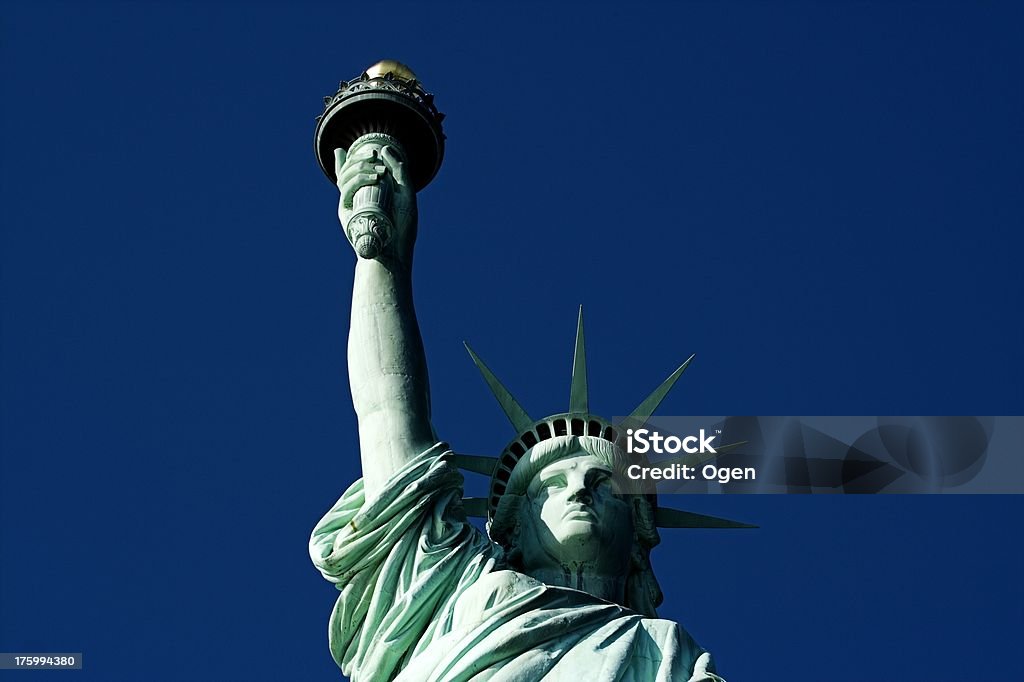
(643, 594)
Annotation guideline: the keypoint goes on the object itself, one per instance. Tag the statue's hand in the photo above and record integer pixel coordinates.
(375, 165)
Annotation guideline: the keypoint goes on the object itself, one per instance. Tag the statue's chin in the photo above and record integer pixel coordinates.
(578, 526)
(580, 537)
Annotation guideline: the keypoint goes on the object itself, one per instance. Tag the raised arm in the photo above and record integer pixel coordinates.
(386, 364)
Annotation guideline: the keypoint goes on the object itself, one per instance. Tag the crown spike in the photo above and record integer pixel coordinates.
(475, 506)
(677, 518)
(578, 389)
(476, 463)
(512, 409)
(645, 409)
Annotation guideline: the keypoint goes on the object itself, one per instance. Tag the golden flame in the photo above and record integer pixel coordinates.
(397, 69)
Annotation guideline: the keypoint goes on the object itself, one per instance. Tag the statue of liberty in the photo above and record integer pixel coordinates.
(561, 587)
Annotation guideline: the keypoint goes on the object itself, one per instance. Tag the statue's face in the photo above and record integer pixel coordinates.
(574, 515)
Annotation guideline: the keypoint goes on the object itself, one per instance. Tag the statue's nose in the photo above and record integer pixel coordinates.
(582, 495)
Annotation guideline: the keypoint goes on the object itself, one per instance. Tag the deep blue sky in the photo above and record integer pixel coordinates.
(822, 200)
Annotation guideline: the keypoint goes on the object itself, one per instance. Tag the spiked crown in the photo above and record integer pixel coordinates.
(578, 421)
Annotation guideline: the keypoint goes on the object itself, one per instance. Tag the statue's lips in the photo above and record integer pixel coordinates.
(578, 512)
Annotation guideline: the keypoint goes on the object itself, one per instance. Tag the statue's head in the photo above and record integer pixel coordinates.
(556, 499)
(564, 510)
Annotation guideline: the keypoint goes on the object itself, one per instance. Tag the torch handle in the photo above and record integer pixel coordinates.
(369, 229)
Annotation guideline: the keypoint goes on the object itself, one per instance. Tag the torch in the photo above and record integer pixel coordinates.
(385, 105)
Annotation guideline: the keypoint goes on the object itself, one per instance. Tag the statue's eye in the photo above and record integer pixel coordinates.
(557, 481)
(603, 481)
